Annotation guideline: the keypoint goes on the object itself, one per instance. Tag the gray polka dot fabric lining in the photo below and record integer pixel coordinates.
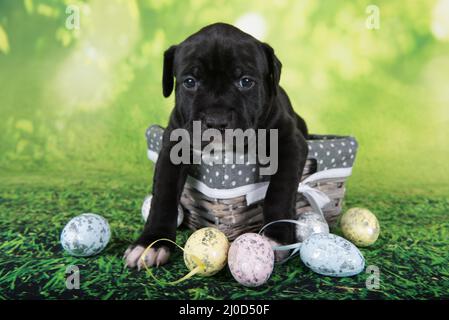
(330, 152)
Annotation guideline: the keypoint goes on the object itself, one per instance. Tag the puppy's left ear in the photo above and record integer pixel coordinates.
(168, 71)
(274, 69)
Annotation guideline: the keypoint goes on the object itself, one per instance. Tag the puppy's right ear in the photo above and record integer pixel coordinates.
(274, 69)
(168, 72)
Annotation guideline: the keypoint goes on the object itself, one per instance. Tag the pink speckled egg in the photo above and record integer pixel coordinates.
(251, 259)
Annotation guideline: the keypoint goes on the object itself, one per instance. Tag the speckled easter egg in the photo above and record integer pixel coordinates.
(331, 255)
(309, 223)
(85, 235)
(251, 259)
(360, 226)
(210, 246)
(146, 206)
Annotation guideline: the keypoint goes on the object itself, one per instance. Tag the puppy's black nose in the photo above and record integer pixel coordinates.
(216, 122)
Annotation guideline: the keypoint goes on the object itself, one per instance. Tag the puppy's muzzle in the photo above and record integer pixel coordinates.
(219, 121)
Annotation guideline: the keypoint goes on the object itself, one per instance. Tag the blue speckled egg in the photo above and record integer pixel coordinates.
(331, 255)
(85, 235)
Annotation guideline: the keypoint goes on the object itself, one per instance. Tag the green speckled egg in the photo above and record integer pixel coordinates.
(208, 245)
(360, 226)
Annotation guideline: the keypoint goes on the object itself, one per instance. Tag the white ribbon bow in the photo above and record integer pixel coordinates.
(317, 198)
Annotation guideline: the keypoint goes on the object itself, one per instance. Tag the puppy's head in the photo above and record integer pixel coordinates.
(225, 78)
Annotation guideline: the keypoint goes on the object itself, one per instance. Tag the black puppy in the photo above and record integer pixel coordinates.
(226, 79)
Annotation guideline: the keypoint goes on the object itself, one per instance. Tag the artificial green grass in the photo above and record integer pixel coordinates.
(412, 252)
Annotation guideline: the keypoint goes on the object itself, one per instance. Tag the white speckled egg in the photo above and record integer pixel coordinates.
(146, 206)
(310, 222)
(331, 255)
(208, 246)
(251, 259)
(360, 226)
(85, 235)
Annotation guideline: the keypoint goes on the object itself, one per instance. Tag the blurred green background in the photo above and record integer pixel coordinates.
(78, 101)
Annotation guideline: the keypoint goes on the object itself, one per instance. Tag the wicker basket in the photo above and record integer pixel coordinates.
(227, 206)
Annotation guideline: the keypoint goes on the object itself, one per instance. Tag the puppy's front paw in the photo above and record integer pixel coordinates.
(153, 257)
(279, 255)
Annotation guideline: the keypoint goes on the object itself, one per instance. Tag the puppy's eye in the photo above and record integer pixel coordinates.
(246, 83)
(190, 83)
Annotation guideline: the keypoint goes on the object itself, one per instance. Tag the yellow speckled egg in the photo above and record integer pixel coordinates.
(360, 226)
(209, 247)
